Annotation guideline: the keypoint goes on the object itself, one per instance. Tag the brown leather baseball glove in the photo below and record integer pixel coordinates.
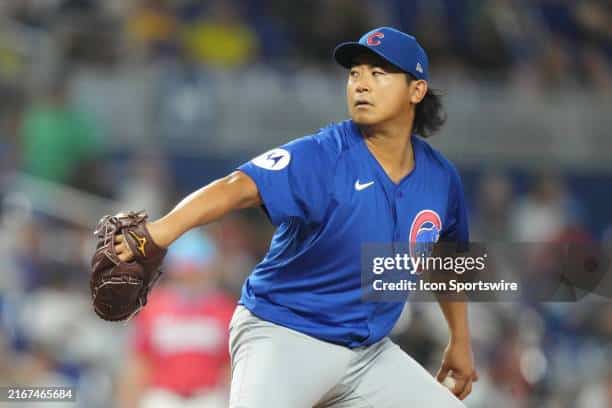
(120, 289)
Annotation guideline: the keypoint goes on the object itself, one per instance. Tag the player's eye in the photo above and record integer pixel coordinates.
(378, 72)
(353, 73)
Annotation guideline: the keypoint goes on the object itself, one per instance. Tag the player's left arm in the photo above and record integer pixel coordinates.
(458, 360)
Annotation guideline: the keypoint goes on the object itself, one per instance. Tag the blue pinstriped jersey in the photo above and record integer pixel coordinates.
(327, 195)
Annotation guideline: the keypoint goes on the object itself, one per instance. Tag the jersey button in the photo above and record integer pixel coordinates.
(400, 194)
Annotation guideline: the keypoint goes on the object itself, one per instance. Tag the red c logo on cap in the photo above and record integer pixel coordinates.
(373, 38)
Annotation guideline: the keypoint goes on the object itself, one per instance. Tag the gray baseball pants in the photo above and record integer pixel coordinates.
(276, 367)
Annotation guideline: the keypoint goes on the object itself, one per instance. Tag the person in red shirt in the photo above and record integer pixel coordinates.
(179, 345)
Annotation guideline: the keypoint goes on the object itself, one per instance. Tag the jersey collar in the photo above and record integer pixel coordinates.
(356, 137)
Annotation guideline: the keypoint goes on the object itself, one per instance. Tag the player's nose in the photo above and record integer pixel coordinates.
(362, 86)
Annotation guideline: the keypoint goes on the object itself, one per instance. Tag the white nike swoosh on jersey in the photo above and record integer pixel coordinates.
(360, 187)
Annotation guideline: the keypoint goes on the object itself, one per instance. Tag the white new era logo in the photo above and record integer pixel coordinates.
(419, 68)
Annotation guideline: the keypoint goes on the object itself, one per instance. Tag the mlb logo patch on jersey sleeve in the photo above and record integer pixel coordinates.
(275, 159)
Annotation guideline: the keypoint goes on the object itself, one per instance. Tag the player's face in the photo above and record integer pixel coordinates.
(378, 92)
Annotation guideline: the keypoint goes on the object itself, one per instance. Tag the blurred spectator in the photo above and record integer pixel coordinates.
(32, 14)
(598, 69)
(78, 6)
(336, 21)
(541, 215)
(236, 240)
(154, 27)
(6, 356)
(187, 107)
(491, 220)
(275, 33)
(38, 367)
(12, 61)
(79, 25)
(10, 115)
(179, 356)
(145, 184)
(556, 64)
(598, 394)
(221, 38)
(58, 141)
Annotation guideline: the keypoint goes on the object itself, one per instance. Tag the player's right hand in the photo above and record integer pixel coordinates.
(123, 250)
(155, 232)
(458, 362)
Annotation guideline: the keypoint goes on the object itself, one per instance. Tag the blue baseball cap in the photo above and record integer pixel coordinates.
(394, 46)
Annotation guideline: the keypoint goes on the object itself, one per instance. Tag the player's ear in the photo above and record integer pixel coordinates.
(418, 90)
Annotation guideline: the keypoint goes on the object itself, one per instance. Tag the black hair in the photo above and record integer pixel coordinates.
(429, 115)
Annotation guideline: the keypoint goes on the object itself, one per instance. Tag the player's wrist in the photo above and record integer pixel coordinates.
(159, 233)
(460, 339)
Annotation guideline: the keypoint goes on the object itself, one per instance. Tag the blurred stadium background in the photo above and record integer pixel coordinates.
(128, 104)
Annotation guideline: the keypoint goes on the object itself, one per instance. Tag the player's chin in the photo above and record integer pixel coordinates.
(364, 118)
